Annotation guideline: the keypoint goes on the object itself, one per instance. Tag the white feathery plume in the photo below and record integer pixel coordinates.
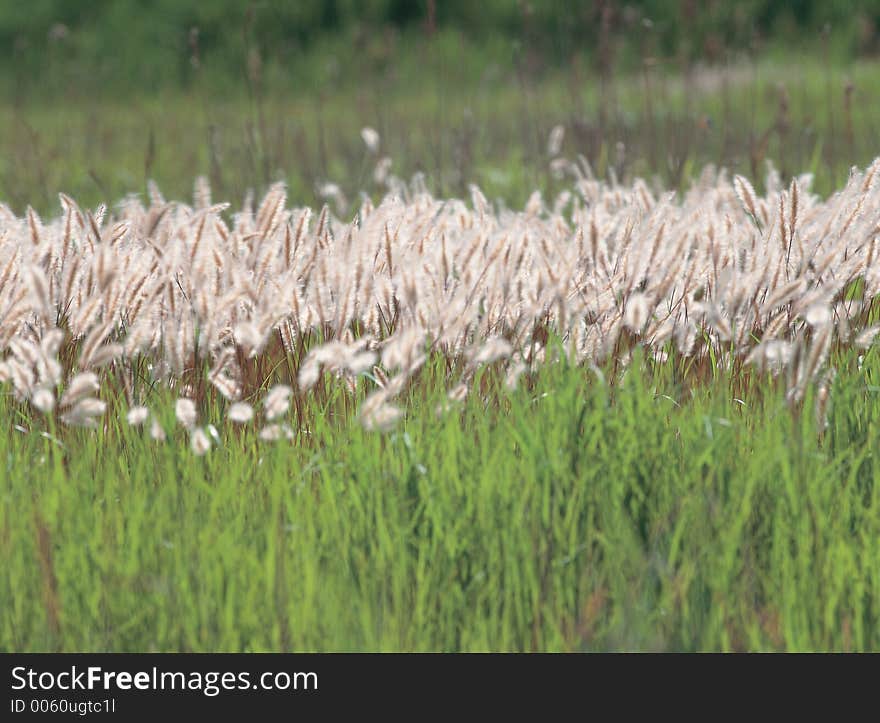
(43, 400)
(185, 412)
(199, 442)
(371, 139)
(277, 402)
(240, 413)
(137, 416)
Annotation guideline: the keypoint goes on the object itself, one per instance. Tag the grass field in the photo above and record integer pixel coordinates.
(643, 502)
(571, 516)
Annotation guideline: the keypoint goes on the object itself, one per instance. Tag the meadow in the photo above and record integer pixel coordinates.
(440, 426)
(443, 360)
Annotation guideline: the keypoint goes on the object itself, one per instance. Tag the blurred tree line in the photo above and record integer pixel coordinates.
(124, 43)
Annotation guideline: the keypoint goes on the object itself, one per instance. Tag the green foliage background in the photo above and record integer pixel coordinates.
(136, 45)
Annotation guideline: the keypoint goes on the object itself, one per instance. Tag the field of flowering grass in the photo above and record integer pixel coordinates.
(503, 395)
(613, 420)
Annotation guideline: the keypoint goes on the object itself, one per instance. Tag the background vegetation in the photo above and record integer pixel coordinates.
(104, 95)
(127, 44)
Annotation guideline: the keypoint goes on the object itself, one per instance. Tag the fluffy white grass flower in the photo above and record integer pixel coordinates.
(38, 285)
(381, 417)
(103, 355)
(772, 355)
(361, 362)
(43, 400)
(390, 387)
(277, 402)
(405, 350)
(185, 411)
(659, 356)
(49, 371)
(818, 315)
(636, 315)
(746, 195)
(458, 393)
(778, 352)
(21, 375)
(85, 413)
(274, 432)
(554, 141)
(864, 340)
(371, 139)
(82, 385)
(137, 416)
(329, 190)
(250, 336)
(240, 413)
(380, 173)
(492, 350)
(51, 342)
(334, 356)
(270, 433)
(228, 387)
(513, 375)
(309, 373)
(92, 407)
(199, 442)
(156, 431)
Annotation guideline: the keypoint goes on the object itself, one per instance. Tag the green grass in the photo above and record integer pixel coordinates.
(489, 128)
(571, 515)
